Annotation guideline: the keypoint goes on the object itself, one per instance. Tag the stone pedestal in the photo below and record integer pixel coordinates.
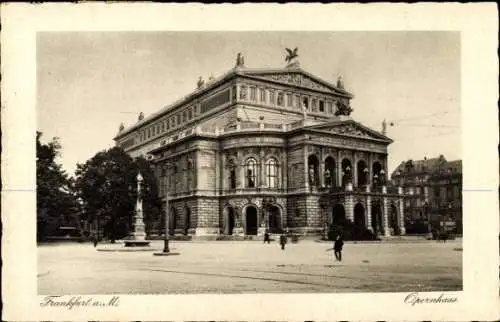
(238, 231)
(207, 231)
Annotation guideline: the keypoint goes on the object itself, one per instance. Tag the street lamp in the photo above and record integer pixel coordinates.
(166, 248)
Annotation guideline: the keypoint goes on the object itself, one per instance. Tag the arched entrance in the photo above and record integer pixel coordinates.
(251, 225)
(330, 178)
(376, 217)
(362, 172)
(187, 220)
(393, 219)
(228, 220)
(376, 172)
(359, 215)
(338, 215)
(274, 220)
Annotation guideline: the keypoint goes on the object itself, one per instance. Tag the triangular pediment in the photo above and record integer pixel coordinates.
(298, 77)
(350, 128)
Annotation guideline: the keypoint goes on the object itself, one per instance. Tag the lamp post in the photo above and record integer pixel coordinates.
(166, 249)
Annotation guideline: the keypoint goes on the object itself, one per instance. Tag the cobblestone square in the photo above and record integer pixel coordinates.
(251, 267)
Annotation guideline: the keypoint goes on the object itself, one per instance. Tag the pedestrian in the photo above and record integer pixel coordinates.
(282, 241)
(94, 239)
(266, 237)
(337, 247)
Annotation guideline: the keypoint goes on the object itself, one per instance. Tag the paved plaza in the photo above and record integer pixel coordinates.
(251, 266)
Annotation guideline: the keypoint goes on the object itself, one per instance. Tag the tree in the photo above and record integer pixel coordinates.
(56, 202)
(107, 186)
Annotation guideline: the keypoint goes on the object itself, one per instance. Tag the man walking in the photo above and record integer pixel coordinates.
(282, 241)
(337, 247)
(266, 237)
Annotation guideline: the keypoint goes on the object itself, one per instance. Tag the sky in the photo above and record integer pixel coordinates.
(90, 82)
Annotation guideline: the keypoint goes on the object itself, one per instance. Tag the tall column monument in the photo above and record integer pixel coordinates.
(138, 235)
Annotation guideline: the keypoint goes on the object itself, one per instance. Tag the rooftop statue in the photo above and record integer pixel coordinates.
(200, 82)
(240, 60)
(121, 127)
(291, 55)
(340, 82)
(141, 116)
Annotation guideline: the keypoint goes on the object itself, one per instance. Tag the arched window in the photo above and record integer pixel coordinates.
(330, 172)
(232, 174)
(251, 172)
(272, 173)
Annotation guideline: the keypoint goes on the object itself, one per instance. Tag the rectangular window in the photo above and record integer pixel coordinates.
(234, 95)
(178, 119)
(329, 107)
(271, 97)
(289, 100)
(190, 114)
(305, 103)
(173, 121)
(149, 133)
(162, 127)
(314, 107)
(262, 94)
(253, 93)
(321, 106)
(296, 102)
(168, 124)
(184, 116)
(281, 99)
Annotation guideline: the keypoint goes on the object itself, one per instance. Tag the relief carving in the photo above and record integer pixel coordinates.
(350, 130)
(298, 80)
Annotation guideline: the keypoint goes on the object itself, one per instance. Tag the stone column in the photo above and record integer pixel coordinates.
(401, 219)
(354, 169)
(262, 175)
(219, 163)
(349, 208)
(385, 212)
(322, 172)
(306, 171)
(370, 170)
(368, 210)
(241, 167)
(237, 93)
(284, 170)
(339, 169)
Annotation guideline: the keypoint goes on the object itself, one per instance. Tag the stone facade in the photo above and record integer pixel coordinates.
(258, 150)
(434, 191)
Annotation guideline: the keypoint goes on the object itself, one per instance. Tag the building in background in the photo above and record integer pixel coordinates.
(434, 193)
(267, 149)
